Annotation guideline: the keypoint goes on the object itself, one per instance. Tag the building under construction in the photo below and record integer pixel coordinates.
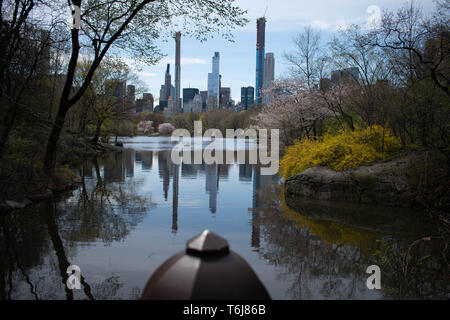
(260, 53)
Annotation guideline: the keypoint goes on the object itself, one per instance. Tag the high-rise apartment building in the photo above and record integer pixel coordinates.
(167, 90)
(204, 95)
(269, 76)
(247, 97)
(131, 94)
(189, 93)
(225, 97)
(345, 75)
(145, 104)
(148, 97)
(193, 105)
(260, 48)
(214, 77)
(177, 96)
(269, 69)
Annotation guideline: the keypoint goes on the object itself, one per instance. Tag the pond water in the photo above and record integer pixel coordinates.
(136, 208)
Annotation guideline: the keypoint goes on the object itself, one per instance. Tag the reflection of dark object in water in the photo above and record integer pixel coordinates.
(379, 219)
(63, 262)
(206, 270)
(175, 198)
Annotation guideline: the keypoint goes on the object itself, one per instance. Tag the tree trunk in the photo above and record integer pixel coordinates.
(8, 122)
(97, 131)
(50, 153)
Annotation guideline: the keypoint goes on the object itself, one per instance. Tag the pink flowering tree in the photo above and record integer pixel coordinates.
(293, 109)
(165, 128)
(145, 126)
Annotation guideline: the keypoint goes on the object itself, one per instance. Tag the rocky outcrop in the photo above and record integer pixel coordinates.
(393, 182)
(39, 195)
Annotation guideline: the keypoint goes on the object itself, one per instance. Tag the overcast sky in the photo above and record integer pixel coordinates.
(285, 18)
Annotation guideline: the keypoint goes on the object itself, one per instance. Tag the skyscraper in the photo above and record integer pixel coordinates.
(214, 77)
(225, 97)
(269, 69)
(269, 75)
(177, 97)
(131, 94)
(166, 89)
(260, 48)
(189, 94)
(345, 75)
(204, 95)
(247, 97)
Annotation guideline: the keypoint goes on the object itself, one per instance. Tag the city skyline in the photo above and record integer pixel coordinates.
(238, 58)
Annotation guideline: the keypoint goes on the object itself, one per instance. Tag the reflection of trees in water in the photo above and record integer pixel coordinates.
(107, 289)
(23, 243)
(414, 270)
(327, 259)
(102, 211)
(36, 244)
(317, 269)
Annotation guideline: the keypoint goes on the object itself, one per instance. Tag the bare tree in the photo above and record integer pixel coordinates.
(418, 44)
(306, 61)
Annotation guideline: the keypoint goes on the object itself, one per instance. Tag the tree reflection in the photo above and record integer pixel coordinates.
(325, 259)
(97, 211)
(103, 211)
(23, 243)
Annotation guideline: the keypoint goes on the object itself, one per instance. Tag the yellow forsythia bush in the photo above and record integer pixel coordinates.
(347, 149)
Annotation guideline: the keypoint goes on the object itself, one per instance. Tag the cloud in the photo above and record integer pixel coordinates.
(342, 24)
(320, 24)
(316, 24)
(147, 74)
(184, 61)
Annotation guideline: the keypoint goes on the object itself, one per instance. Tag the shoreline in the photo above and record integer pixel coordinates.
(51, 189)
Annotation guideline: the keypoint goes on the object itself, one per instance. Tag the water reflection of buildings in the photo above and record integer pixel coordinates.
(119, 166)
(145, 158)
(123, 166)
(164, 169)
(167, 170)
(175, 169)
(259, 182)
(212, 185)
(245, 172)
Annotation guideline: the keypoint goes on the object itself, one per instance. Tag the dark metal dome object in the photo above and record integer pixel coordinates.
(206, 270)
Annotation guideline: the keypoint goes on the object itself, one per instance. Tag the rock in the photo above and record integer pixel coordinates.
(389, 183)
(17, 205)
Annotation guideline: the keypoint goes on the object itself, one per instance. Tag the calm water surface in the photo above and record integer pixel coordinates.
(135, 209)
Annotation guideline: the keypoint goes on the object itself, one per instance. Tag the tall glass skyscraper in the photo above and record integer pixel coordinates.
(247, 97)
(214, 77)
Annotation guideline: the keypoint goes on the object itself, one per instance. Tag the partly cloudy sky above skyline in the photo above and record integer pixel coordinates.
(285, 19)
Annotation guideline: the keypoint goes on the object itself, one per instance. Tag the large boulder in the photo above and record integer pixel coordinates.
(393, 182)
